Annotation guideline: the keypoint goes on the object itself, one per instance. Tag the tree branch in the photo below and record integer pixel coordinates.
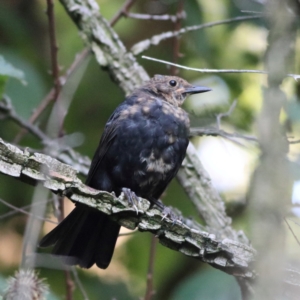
(200, 131)
(142, 46)
(187, 237)
(173, 18)
(225, 254)
(216, 71)
(53, 48)
(109, 51)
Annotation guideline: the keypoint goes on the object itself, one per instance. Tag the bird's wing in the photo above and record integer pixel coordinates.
(164, 183)
(109, 134)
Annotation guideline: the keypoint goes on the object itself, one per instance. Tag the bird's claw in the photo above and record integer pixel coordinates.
(168, 212)
(132, 198)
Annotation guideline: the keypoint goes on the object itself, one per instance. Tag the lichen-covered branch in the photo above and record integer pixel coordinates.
(142, 46)
(186, 237)
(109, 51)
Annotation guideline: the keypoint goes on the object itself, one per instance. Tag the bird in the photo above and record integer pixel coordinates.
(141, 150)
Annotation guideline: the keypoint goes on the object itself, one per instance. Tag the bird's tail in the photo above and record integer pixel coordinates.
(86, 236)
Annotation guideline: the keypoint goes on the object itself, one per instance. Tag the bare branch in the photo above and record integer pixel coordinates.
(149, 288)
(50, 96)
(61, 144)
(8, 110)
(79, 59)
(226, 254)
(17, 209)
(226, 114)
(216, 71)
(109, 51)
(199, 131)
(14, 212)
(176, 42)
(122, 12)
(156, 39)
(69, 285)
(53, 48)
(172, 18)
(256, 12)
(292, 231)
(79, 284)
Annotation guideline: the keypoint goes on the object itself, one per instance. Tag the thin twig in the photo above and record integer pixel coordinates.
(18, 209)
(53, 48)
(204, 70)
(219, 132)
(69, 282)
(75, 64)
(252, 12)
(50, 96)
(226, 114)
(122, 12)
(156, 39)
(172, 18)
(57, 89)
(291, 230)
(212, 71)
(295, 222)
(13, 212)
(10, 112)
(199, 131)
(79, 58)
(149, 288)
(79, 284)
(176, 43)
(69, 285)
(64, 144)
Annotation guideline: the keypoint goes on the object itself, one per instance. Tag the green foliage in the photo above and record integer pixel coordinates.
(210, 284)
(25, 97)
(9, 71)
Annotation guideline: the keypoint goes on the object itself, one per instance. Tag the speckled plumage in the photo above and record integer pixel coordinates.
(142, 148)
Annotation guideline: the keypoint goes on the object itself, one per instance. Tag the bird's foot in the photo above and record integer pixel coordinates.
(132, 198)
(168, 212)
(158, 203)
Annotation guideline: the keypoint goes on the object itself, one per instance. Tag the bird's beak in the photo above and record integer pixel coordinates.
(196, 90)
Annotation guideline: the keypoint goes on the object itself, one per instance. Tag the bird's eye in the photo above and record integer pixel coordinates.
(172, 83)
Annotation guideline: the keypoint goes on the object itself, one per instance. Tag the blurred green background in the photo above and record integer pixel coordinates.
(24, 47)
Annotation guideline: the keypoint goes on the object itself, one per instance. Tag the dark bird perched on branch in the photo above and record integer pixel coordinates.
(140, 151)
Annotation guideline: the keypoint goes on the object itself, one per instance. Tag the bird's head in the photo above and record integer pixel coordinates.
(172, 89)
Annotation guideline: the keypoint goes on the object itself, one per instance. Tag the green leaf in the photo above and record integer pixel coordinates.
(8, 70)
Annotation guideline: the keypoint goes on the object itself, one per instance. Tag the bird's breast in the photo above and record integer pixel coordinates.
(166, 128)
